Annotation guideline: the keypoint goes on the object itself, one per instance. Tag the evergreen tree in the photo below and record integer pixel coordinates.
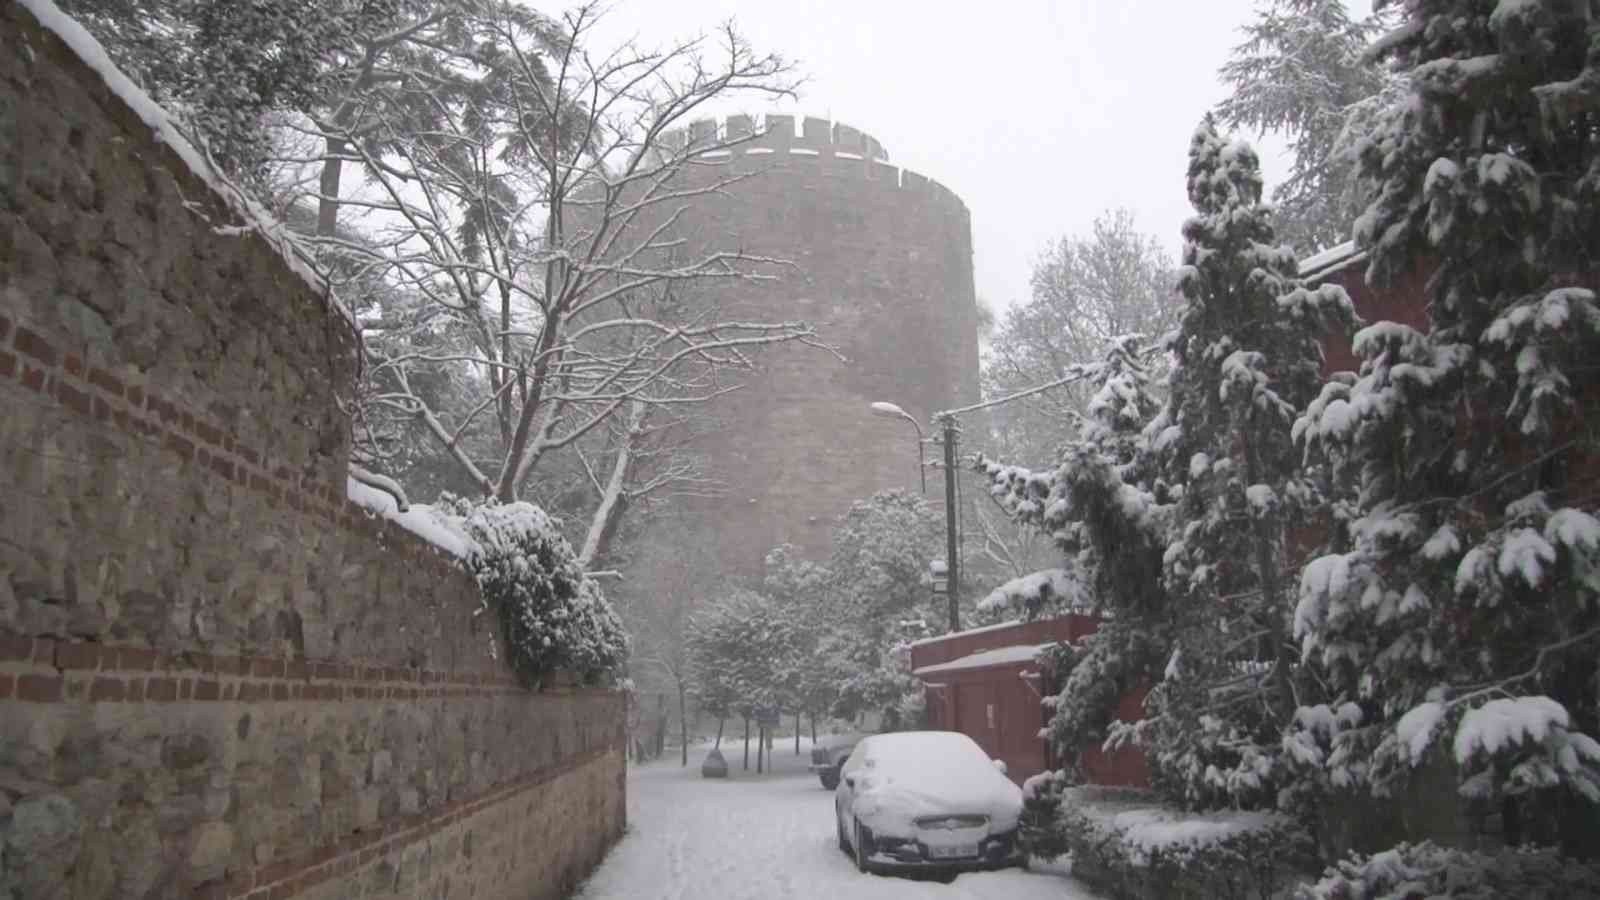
(1247, 357)
(1099, 510)
(1461, 625)
(224, 65)
(1303, 71)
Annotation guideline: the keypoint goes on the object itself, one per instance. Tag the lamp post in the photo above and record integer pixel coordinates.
(953, 557)
(890, 411)
(948, 423)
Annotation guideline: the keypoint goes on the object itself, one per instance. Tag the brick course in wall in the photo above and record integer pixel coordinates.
(218, 676)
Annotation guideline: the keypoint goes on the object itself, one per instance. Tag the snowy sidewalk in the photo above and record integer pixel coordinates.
(767, 837)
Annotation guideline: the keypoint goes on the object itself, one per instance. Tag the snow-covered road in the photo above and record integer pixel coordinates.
(767, 837)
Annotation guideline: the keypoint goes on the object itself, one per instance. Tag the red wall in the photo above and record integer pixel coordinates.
(1000, 707)
(1126, 766)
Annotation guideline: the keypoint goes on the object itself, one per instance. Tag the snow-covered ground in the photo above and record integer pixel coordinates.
(766, 837)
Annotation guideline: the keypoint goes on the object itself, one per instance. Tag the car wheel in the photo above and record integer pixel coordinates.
(830, 778)
(863, 842)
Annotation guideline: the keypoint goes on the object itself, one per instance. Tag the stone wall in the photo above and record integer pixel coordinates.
(218, 677)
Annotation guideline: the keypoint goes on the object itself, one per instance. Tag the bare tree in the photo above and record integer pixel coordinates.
(527, 198)
(657, 612)
(1086, 291)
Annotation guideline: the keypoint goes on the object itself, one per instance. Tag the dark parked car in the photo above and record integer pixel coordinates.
(926, 799)
(829, 756)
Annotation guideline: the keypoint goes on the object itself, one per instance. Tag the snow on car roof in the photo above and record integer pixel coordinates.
(913, 756)
(996, 657)
(909, 774)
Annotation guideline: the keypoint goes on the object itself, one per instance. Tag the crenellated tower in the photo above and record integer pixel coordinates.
(883, 265)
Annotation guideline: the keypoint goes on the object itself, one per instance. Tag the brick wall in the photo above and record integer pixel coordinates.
(219, 678)
(882, 264)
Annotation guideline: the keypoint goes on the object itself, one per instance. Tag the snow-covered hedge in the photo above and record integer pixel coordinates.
(1131, 845)
(1427, 870)
(554, 617)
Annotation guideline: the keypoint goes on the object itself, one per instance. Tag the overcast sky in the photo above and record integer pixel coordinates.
(1038, 113)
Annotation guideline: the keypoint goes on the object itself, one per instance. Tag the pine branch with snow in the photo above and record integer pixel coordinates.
(1464, 614)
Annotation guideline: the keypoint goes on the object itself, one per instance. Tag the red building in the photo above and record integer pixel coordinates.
(985, 684)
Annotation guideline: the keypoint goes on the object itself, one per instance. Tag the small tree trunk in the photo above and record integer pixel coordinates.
(747, 743)
(796, 734)
(813, 728)
(721, 721)
(761, 740)
(683, 724)
(661, 725)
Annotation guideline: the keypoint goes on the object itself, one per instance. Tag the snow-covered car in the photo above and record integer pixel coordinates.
(829, 756)
(918, 799)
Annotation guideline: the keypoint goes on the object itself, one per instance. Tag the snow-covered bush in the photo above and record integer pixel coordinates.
(1441, 873)
(1039, 831)
(554, 617)
(1130, 844)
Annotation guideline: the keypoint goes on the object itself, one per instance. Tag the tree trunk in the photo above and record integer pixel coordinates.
(328, 203)
(747, 743)
(813, 728)
(661, 725)
(796, 734)
(721, 721)
(683, 724)
(614, 497)
(761, 746)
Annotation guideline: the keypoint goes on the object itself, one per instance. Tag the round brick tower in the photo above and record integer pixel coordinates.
(883, 267)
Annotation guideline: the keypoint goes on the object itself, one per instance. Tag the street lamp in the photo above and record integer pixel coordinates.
(890, 411)
(948, 423)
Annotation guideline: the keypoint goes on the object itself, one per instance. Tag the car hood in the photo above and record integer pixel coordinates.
(891, 802)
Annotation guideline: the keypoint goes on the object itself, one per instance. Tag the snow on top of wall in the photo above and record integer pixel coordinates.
(996, 657)
(420, 519)
(996, 627)
(255, 217)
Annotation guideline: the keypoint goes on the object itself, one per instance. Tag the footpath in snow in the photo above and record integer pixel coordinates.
(764, 837)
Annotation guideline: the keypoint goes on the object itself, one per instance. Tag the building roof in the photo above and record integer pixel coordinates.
(1000, 656)
(1320, 265)
(1009, 623)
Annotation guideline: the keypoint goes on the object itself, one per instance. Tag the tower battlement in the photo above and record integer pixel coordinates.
(784, 138)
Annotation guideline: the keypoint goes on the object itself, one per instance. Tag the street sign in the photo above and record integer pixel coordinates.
(767, 716)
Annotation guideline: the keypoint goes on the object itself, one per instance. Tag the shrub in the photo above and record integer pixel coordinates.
(1039, 831)
(553, 616)
(1428, 870)
(1129, 844)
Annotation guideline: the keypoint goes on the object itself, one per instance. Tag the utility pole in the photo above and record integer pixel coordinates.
(952, 560)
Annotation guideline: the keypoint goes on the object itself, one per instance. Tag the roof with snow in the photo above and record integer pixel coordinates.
(1320, 265)
(1009, 623)
(999, 656)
